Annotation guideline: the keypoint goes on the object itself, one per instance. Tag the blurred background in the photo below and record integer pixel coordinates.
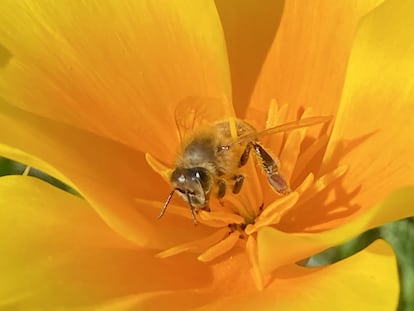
(399, 234)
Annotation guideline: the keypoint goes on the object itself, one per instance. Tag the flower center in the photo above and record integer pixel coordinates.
(238, 217)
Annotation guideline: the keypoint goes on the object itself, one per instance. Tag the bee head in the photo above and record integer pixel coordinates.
(193, 184)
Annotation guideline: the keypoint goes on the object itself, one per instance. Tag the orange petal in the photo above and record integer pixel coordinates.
(297, 246)
(220, 248)
(109, 175)
(306, 63)
(57, 254)
(373, 132)
(122, 79)
(365, 281)
(249, 29)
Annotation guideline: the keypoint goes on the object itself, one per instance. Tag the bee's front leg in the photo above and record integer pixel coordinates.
(245, 155)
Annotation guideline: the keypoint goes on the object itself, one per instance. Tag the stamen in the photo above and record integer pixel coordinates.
(277, 115)
(277, 206)
(241, 208)
(158, 167)
(219, 219)
(322, 182)
(195, 246)
(291, 151)
(306, 156)
(220, 248)
(306, 184)
(251, 249)
(272, 114)
(247, 203)
(272, 214)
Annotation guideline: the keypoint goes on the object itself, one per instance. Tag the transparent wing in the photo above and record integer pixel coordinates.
(284, 128)
(193, 112)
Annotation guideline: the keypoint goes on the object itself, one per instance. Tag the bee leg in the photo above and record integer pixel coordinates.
(192, 208)
(193, 214)
(245, 155)
(238, 184)
(270, 167)
(164, 208)
(221, 188)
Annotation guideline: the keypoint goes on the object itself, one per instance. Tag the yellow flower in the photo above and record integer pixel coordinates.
(89, 94)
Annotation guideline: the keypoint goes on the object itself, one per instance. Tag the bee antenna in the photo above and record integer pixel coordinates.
(164, 208)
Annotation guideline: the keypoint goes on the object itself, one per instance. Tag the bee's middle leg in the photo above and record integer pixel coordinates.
(221, 186)
(239, 179)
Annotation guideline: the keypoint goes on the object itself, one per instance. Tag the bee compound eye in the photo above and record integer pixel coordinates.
(179, 176)
(201, 175)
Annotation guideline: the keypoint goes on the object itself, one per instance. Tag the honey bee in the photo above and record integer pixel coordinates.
(210, 159)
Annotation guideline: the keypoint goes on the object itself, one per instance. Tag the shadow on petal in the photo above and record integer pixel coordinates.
(5, 56)
(249, 29)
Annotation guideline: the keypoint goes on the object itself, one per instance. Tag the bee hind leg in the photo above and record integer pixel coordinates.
(270, 167)
(279, 183)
